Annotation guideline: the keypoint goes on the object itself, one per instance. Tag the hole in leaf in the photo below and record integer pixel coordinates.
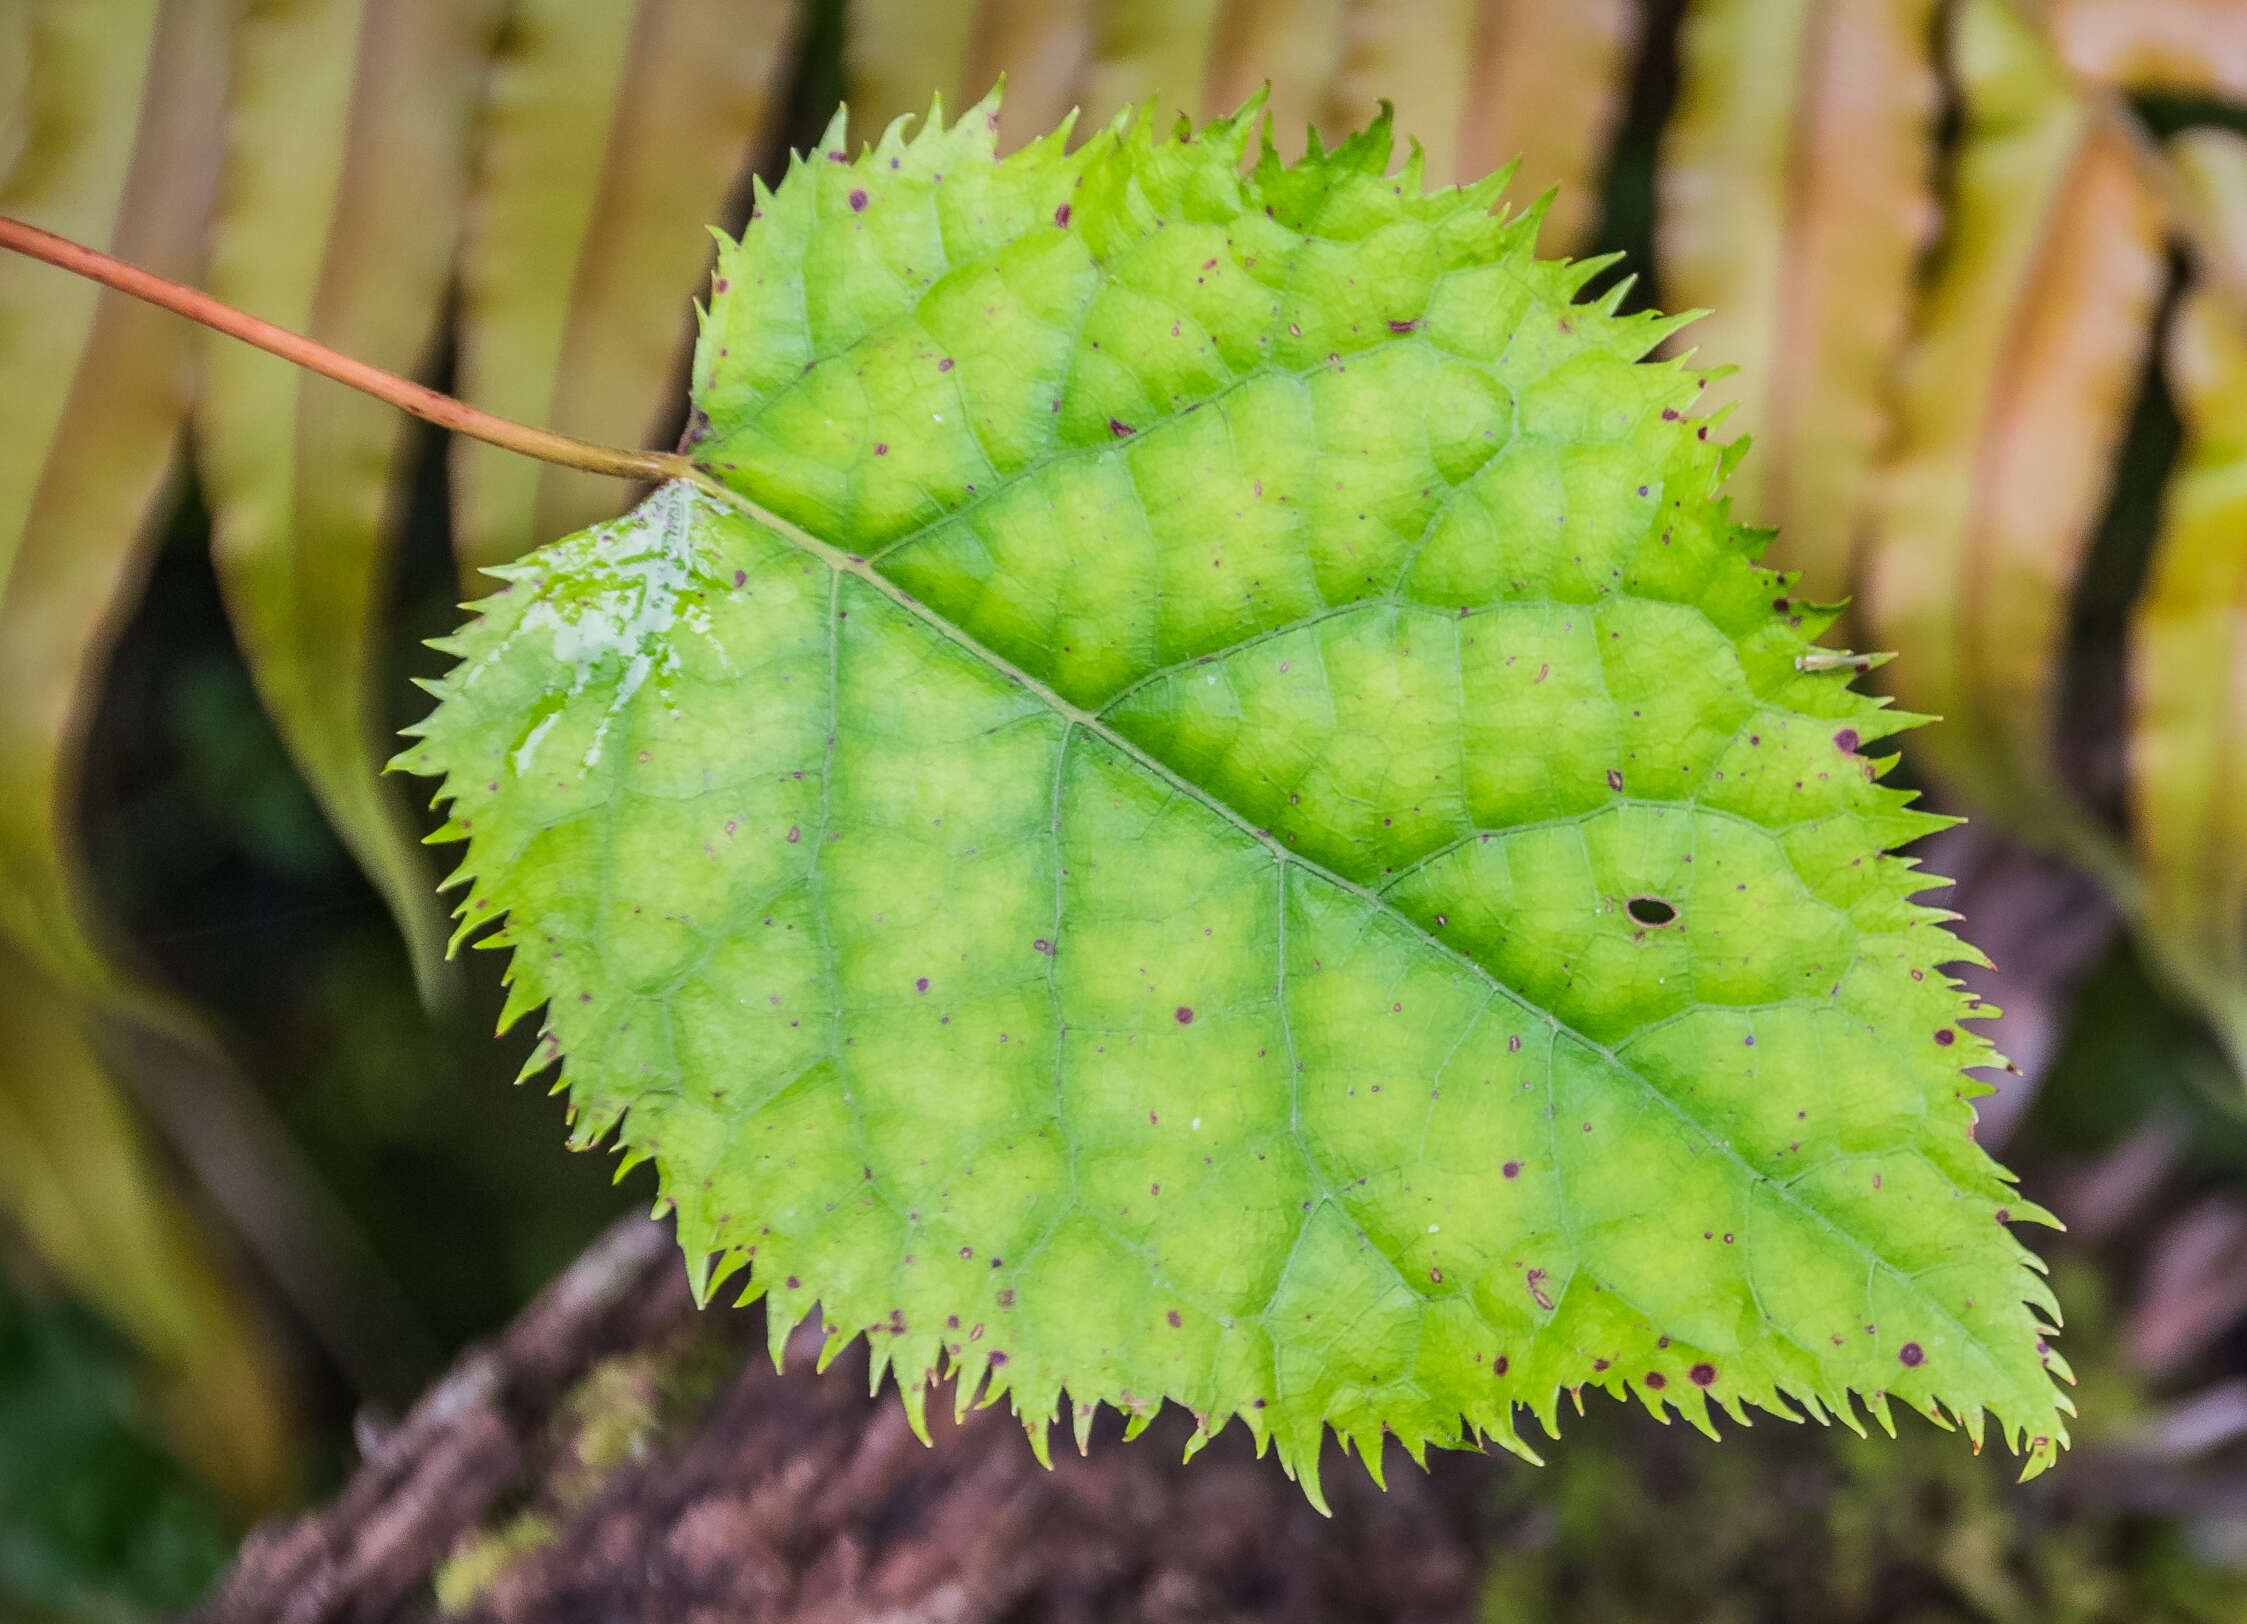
(1650, 910)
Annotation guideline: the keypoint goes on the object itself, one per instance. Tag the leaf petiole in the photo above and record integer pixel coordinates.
(423, 402)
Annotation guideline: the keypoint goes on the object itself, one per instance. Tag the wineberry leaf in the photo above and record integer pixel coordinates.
(1204, 804)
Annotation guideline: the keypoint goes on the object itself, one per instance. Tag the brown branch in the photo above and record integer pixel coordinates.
(464, 1443)
(699, 1483)
(403, 393)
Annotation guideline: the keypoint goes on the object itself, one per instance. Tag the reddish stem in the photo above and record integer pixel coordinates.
(424, 402)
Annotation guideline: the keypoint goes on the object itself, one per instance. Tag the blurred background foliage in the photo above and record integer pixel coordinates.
(1982, 265)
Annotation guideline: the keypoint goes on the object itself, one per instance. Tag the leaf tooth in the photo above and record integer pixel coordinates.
(1056, 140)
(462, 932)
(522, 998)
(544, 1053)
(1301, 1464)
(1080, 1416)
(1037, 1423)
(997, 1386)
(1844, 1405)
(1370, 149)
(1547, 1411)
(1416, 1446)
(732, 1258)
(2036, 1289)
(1367, 1444)
(1611, 301)
(833, 1342)
(1519, 239)
(834, 137)
(1816, 618)
(593, 1127)
(1481, 195)
(782, 1315)
(1414, 177)
(1268, 160)
(1138, 1417)
(893, 142)
(968, 1371)
(1576, 272)
(1484, 1420)
(1657, 1405)
(1247, 117)
(1512, 1442)
(913, 1394)
(1228, 136)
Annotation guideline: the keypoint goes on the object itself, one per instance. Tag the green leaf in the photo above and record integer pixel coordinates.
(1206, 806)
(344, 190)
(93, 395)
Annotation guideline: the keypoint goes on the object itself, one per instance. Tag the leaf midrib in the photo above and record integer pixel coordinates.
(845, 563)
